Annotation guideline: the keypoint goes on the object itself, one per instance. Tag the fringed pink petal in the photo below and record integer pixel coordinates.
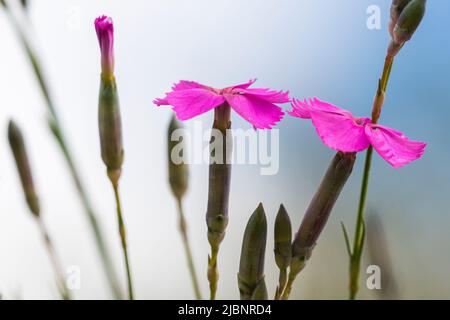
(393, 146)
(336, 127)
(269, 95)
(193, 102)
(261, 113)
(186, 85)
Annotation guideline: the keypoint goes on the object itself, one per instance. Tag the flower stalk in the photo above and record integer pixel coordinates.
(251, 281)
(110, 128)
(219, 190)
(19, 152)
(317, 214)
(57, 131)
(406, 16)
(178, 180)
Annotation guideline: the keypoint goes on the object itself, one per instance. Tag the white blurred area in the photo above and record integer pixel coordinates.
(285, 44)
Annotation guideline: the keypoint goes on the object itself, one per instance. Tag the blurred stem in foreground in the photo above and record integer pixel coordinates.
(56, 129)
(219, 189)
(317, 214)
(110, 127)
(252, 285)
(379, 254)
(405, 18)
(282, 248)
(19, 151)
(178, 180)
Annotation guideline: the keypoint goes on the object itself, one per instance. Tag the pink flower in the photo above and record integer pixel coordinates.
(105, 34)
(341, 131)
(258, 106)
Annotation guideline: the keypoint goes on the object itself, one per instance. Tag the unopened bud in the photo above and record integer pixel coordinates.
(23, 166)
(283, 239)
(251, 267)
(396, 9)
(110, 128)
(178, 172)
(409, 19)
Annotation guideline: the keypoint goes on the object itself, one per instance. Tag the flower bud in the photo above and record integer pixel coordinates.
(319, 210)
(283, 239)
(110, 128)
(105, 34)
(178, 173)
(24, 4)
(251, 267)
(396, 9)
(409, 20)
(23, 166)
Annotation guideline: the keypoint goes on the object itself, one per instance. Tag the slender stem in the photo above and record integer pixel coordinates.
(282, 281)
(359, 233)
(213, 273)
(187, 249)
(56, 262)
(288, 288)
(56, 129)
(123, 238)
(355, 258)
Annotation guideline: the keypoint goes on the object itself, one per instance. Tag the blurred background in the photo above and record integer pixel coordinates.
(313, 48)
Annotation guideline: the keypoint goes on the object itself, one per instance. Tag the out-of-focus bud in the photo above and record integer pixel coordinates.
(24, 4)
(23, 166)
(251, 267)
(396, 9)
(110, 128)
(105, 34)
(406, 24)
(283, 239)
(178, 172)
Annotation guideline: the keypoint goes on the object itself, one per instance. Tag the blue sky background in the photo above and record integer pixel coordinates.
(313, 48)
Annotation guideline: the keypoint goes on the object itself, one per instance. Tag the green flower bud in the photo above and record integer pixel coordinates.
(110, 128)
(283, 239)
(396, 9)
(23, 166)
(409, 20)
(178, 173)
(406, 18)
(251, 267)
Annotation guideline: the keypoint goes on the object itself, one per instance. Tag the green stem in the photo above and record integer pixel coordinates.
(355, 257)
(359, 233)
(282, 281)
(123, 238)
(187, 249)
(56, 262)
(288, 288)
(56, 129)
(213, 273)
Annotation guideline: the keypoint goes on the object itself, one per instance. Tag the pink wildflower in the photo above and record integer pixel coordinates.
(341, 131)
(258, 106)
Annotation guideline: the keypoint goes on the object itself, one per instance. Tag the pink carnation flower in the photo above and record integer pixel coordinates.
(258, 106)
(341, 131)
